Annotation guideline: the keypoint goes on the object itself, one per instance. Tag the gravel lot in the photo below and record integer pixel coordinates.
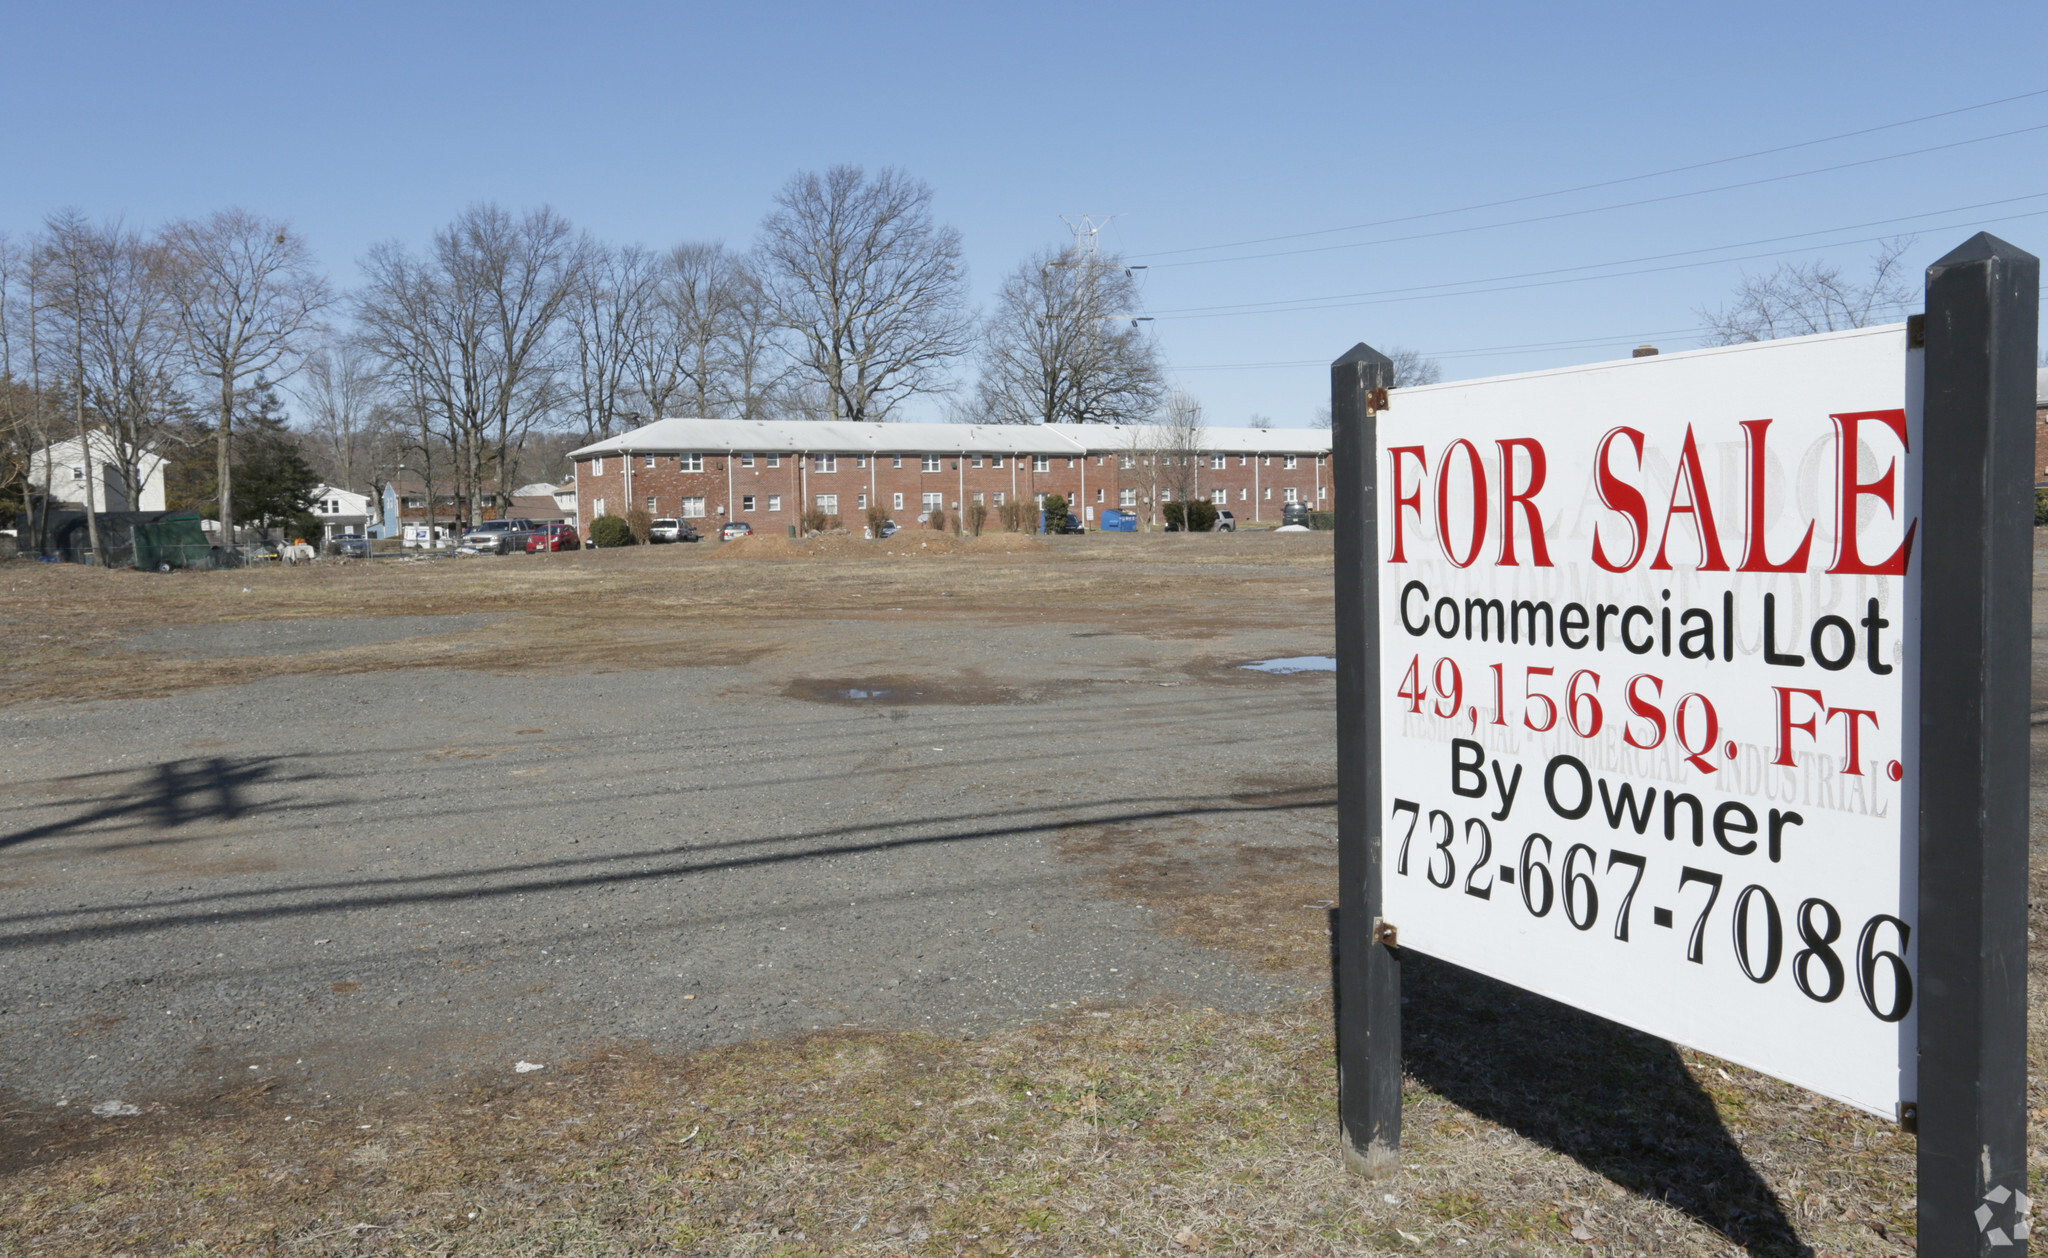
(386, 880)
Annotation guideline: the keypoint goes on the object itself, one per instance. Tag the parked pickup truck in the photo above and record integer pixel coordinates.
(500, 537)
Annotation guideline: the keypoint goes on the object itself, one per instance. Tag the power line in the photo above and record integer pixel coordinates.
(1532, 347)
(1605, 183)
(1390, 296)
(1250, 306)
(1601, 209)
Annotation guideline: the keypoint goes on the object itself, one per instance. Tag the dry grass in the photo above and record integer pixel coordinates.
(61, 626)
(1530, 1129)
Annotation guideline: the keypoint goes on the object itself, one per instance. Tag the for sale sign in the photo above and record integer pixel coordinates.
(1647, 651)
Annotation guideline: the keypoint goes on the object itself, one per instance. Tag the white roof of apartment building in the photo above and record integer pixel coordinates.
(1216, 440)
(864, 437)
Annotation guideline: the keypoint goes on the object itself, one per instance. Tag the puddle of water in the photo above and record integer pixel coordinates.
(1295, 664)
(858, 693)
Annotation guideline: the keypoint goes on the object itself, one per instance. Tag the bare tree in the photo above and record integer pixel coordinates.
(1413, 367)
(106, 299)
(700, 302)
(339, 391)
(610, 315)
(872, 290)
(246, 295)
(1179, 447)
(1063, 346)
(24, 293)
(20, 403)
(1799, 299)
(471, 332)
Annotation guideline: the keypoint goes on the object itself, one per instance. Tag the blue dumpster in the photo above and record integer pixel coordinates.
(1119, 521)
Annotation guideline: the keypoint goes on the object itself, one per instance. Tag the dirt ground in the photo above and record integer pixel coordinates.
(945, 899)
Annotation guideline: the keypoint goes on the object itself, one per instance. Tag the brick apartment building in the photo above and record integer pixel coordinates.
(769, 472)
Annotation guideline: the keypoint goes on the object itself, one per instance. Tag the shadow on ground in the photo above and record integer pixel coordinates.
(1616, 1101)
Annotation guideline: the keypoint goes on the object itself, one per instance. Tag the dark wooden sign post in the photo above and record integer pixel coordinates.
(1975, 565)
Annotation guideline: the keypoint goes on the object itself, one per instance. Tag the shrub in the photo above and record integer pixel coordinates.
(641, 523)
(1011, 516)
(935, 519)
(977, 518)
(1196, 516)
(1055, 512)
(1323, 520)
(2041, 505)
(610, 530)
(816, 521)
(876, 519)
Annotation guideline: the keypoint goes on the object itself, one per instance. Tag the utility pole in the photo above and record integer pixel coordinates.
(1087, 255)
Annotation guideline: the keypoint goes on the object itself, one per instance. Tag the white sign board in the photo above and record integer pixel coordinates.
(1646, 635)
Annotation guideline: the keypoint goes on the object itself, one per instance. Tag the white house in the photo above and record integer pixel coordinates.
(341, 512)
(69, 484)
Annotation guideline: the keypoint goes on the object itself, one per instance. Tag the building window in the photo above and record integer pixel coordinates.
(1129, 461)
(1040, 463)
(899, 503)
(1038, 500)
(774, 502)
(896, 460)
(693, 508)
(1217, 462)
(1290, 494)
(977, 500)
(1220, 497)
(1322, 460)
(1070, 465)
(860, 460)
(689, 462)
(1241, 460)
(1126, 497)
(416, 504)
(934, 503)
(996, 461)
(1322, 492)
(828, 503)
(1166, 495)
(1243, 495)
(650, 460)
(931, 462)
(999, 498)
(774, 460)
(824, 463)
(597, 467)
(600, 509)
(860, 502)
(747, 503)
(746, 460)
(650, 504)
(1098, 494)
(1289, 463)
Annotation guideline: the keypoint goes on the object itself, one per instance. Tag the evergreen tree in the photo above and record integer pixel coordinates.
(273, 483)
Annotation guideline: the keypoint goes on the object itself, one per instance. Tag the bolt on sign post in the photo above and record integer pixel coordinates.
(1692, 691)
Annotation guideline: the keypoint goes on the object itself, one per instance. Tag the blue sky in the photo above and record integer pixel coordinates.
(1198, 125)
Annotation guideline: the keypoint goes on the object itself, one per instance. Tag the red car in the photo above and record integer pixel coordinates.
(550, 537)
